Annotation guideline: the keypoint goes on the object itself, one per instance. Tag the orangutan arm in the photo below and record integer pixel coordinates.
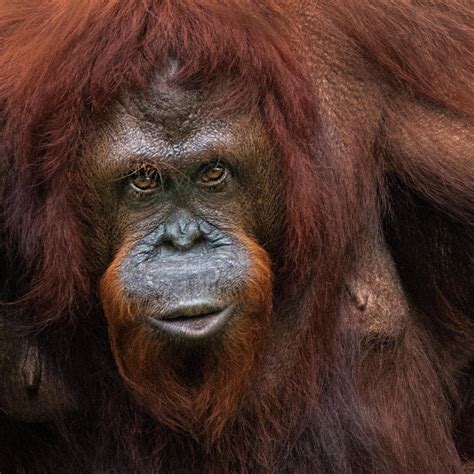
(433, 149)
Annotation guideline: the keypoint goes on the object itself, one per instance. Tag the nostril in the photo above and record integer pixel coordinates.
(182, 235)
(185, 242)
(186, 227)
(181, 232)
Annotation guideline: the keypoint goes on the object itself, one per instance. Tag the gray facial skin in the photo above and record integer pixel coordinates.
(190, 273)
(186, 262)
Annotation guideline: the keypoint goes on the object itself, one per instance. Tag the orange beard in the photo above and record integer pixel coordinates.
(195, 389)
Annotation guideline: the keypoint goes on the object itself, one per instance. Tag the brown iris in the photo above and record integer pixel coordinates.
(213, 175)
(145, 179)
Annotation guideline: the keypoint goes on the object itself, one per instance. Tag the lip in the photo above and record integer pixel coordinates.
(194, 322)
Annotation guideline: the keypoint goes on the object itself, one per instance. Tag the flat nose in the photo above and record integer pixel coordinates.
(182, 231)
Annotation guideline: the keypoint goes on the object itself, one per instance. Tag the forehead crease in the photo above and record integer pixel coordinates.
(133, 138)
(170, 123)
(170, 107)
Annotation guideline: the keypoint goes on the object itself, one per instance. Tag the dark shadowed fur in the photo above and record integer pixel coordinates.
(320, 399)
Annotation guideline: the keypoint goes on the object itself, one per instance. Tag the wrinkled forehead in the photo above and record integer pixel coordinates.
(173, 109)
(173, 119)
(172, 123)
(177, 110)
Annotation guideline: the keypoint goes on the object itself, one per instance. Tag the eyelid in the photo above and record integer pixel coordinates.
(143, 191)
(213, 164)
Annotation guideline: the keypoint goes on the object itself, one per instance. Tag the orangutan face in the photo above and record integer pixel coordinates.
(187, 296)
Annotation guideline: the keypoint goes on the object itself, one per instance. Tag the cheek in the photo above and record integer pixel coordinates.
(116, 304)
(257, 294)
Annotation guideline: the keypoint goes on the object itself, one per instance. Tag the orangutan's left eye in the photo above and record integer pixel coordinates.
(213, 174)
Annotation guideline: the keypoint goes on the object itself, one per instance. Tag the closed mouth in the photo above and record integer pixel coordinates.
(195, 322)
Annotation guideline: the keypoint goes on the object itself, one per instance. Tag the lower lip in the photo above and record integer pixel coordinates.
(195, 327)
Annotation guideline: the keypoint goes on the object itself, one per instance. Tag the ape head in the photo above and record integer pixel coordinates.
(187, 296)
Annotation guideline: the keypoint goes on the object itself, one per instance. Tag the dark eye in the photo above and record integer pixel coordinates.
(145, 180)
(213, 174)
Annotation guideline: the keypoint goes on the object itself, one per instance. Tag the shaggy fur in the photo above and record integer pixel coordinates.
(313, 400)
